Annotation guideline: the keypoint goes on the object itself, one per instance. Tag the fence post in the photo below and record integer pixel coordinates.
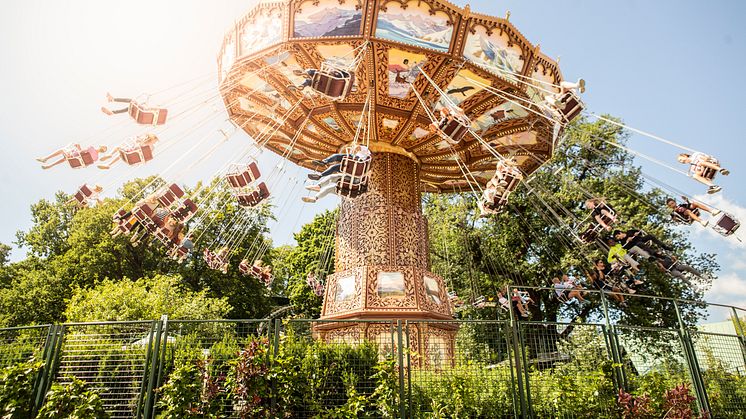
(518, 351)
(739, 332)
(400, 355)
(513, 385)
(152, 361)
(162, 362)
(691, 360)
(275, 332)
(45, 375)
(610, 335)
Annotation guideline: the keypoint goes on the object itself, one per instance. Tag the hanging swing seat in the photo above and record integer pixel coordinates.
(704, 171)
(454, 129)
(242, 177)
(589, 233)
(186, 211)
(83, 194)
(332, 83)
(355, 181)
(137, 154)
(215, 260)
(570, 106)
(146, 216)
(147, 116)
(256, 272)
(679, 218)
(254, 198)
(510, 177)
(498, 204)
(170, 195)
(726, 225)
(78, 159)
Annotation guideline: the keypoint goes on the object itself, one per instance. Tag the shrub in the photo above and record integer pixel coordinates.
(16, 389)
(73, 400)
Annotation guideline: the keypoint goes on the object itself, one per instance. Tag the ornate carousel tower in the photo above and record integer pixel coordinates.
(395, 49)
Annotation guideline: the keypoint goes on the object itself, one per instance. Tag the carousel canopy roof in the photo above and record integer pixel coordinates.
(482, 63)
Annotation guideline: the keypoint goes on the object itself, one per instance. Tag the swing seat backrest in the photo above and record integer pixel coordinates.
(590, 234)
(147, 116)
(244, 268)
(170, 195)
(145, 215)
(186, 211)
(571, 107)
(333, 83)
(137, 155)
(83, 194)
(608, 219)
(707, 172)
(726, 225)
(455, 130)
(83, 159)
(245, 177)
(681, 219)
(354, 167)
(254, 198)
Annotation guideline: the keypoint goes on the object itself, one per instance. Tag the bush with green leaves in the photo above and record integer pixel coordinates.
(16, 389)
(72, 400)
(464, 391)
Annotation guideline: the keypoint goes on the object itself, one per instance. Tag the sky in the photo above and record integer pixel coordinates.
(666, 67)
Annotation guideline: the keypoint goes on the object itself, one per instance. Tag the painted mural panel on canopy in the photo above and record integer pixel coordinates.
(338, 55)
(261, 30)
(415, 25)
(494, 52)
(542, 83)
(328, 18)
(500, 113)
(464, 85)
(404, 67)
(259, 87)
(288, 66)
(519, 138)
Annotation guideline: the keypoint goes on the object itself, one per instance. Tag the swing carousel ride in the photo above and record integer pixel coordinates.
(406, 97)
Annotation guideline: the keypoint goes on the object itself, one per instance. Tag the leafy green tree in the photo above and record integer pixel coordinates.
(72, 248)
(35, 297)
(146, 298)
(4, 254)
(314, 254)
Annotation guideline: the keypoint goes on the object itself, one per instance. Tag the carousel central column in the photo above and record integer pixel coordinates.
(381, 260)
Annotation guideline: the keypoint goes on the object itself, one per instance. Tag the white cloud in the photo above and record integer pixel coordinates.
(728, 289)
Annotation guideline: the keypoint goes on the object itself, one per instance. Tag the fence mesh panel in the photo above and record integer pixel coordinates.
(111, 358)
(463, 368)
(653, 361)
(21, 343)
(337, 360)
(568, 369)
(721, 361)
(212, 346)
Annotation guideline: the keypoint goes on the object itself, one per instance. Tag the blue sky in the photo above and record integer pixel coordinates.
(668, 67)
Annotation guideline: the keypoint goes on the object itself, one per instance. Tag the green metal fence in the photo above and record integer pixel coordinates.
(508, 367)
